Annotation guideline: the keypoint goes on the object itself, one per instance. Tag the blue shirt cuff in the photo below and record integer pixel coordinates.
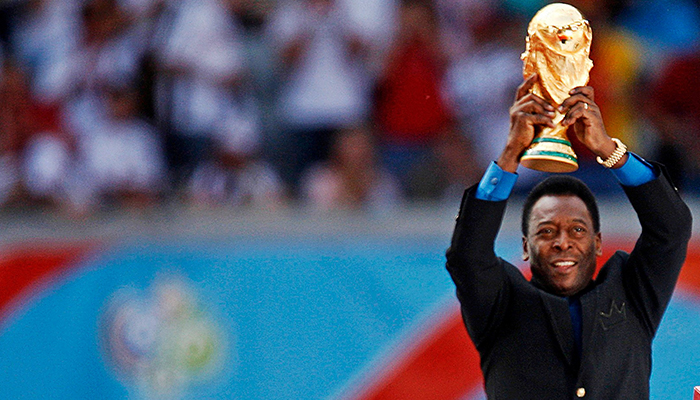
(635, 172)
(496, 184)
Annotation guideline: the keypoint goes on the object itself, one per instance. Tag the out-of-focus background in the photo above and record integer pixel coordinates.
(251, 199)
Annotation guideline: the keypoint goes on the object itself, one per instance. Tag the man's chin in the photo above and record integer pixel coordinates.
(566, 290)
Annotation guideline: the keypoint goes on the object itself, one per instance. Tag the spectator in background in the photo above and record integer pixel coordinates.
(217, 76)
(117, 153)
(45, 40)
(108, 50)
(375, 21)
(409, 107)
(352, 177)
(456, 18)
(200, 66)
(236, 174)
(674, 109)
(35, 152)
(262, 64)
(325, 83)
(481, 82)
(123, 163)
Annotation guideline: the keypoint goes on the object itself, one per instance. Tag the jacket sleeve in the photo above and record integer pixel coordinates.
(652, 270)
(477, 272)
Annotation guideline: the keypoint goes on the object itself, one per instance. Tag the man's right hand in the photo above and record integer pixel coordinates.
(528, 112)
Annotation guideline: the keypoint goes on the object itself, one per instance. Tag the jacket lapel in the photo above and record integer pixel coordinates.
(560, 319)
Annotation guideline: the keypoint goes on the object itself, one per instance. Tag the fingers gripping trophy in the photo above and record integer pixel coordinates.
(557, 50)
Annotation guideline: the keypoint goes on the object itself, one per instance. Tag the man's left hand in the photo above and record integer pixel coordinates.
(583, 113)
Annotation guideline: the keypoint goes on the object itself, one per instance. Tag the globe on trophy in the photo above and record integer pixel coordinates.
(557, 49)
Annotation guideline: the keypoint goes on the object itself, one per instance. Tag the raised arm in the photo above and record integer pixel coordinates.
(652, 269)
(478, 273)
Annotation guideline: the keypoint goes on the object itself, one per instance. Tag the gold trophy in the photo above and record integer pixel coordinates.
(557, 47)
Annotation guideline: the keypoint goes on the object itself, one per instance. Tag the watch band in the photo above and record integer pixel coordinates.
(616, 156)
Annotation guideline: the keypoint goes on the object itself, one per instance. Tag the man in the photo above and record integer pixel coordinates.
(564, 335)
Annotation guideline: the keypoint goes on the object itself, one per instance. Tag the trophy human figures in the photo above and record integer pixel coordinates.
(558, 44)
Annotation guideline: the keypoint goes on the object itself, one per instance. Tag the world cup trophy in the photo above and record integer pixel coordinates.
(558, 44)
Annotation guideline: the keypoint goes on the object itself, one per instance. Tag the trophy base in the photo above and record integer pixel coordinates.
(549, 163)
(550, 154)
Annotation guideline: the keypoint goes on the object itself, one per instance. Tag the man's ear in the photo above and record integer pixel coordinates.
(526, 252)
(598, 244)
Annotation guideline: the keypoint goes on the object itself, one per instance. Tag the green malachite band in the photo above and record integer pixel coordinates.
(530, 153)
(551, 140)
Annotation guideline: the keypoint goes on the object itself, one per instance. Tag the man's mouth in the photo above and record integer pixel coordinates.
(564, 265)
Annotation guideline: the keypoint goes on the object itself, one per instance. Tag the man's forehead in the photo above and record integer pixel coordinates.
(560, 206)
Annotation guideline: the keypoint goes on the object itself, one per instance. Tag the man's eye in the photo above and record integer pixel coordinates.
(545, 231)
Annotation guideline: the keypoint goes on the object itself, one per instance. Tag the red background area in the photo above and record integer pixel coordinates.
(29, 266)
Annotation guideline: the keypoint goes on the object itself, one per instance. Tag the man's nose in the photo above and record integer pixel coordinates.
(562, 240)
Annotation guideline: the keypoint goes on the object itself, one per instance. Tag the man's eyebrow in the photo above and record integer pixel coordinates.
(550, 222)
(547, 222)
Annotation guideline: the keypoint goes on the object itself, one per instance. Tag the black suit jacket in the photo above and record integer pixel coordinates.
(524, 335)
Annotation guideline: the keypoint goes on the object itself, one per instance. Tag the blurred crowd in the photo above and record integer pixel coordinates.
(320, 103)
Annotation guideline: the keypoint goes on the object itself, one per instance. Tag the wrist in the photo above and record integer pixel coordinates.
(615, 157)
(605, 149)
(509, 161)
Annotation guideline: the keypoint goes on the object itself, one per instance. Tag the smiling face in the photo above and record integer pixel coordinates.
(561, 244)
